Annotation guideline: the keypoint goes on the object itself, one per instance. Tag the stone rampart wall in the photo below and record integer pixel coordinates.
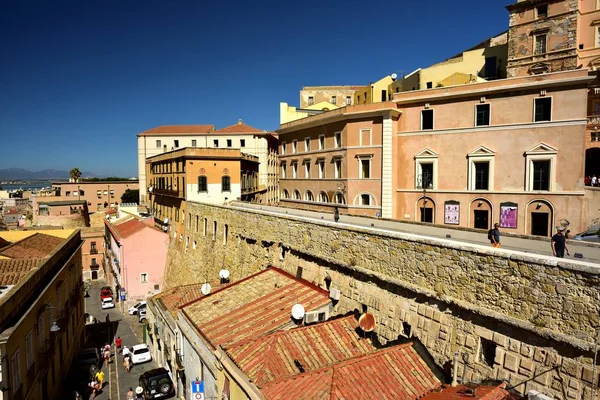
(530, 320)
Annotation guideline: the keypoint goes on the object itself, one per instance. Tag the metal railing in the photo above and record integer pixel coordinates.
(593, 119)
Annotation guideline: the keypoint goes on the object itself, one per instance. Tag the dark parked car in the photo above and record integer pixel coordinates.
(157, 384)
(89, 359)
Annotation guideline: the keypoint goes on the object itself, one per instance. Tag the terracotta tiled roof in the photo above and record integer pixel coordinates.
(178, 129)
(11, 271)
(254, 306)
(128, 228)
(268, 358)
(394, 373)
(482, 393)
(239, 128)
(35, 246)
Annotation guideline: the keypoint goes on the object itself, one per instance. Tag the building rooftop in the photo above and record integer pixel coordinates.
(240, 127)
(12, 270)
(174, 298)
(128, 182)
(461, 392)
(62, 203)
(394, 373)
(272, 357)
(127, 228)
(253, 306)
(38, 245)
(178, 130)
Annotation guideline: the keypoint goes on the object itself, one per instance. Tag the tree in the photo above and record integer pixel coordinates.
(75, 174)
(130, 196)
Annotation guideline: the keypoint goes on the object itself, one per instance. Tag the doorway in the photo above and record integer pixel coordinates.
(539, 223)
(94, 275)
(482, 219)
(426, 214)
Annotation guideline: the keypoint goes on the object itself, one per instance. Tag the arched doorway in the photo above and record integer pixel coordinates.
(480, 212)
(592, 162)
(425, 210)
(540, 216)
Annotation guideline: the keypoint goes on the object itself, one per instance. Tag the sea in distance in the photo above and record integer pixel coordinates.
(33, 185)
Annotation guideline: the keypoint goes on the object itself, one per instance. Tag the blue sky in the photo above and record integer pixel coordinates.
(89, 75)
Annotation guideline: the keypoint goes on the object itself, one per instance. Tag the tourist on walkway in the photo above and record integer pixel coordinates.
(94, 386)
(494, 236)
(126, 359)
(107, 318)
(336, 214)
(130, 394)
(100, 378)
(118, 343)
(559, 243)
(106, 354)
(139, 393)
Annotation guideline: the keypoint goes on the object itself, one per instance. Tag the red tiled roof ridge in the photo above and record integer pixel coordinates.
(243, 128)
(198, 128)
(35, 236)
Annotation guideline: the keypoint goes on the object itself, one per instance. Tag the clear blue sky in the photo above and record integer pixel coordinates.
(89, 74)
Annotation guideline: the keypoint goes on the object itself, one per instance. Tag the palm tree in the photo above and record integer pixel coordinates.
(75, 174)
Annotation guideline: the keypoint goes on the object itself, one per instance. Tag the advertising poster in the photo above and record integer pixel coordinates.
(508, 215)
(452, 212)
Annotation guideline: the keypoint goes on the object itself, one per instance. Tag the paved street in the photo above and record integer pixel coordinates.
(118, 380)
(588, 252)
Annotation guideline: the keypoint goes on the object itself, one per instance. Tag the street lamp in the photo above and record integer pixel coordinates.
(423, 181)
(54, 327)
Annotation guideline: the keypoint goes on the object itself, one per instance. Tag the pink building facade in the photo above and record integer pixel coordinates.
(135, 257)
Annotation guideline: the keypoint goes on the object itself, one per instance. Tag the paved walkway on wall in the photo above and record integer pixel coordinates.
(589, 253)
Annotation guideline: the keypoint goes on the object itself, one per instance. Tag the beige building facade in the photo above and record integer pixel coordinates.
(340, 96)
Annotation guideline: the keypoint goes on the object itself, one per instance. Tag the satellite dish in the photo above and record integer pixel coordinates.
(150, 189)
(205, 289)
(298, 311)
(394, 76)
(165, 228)
(366, 322)
(224, 274)
(107, 216)
(166, 220)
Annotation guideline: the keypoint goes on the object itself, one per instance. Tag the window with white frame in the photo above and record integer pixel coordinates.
(29, 349)
(348, 100)
(426, 169)
(539, 43)
(295, 169)
(337, 139)
(338, 198)
(307, 144)
(194, 143)
(308, 196)
(365, 199)
(285, 194)
(215, 143)
(364, 167)
(311, 100)
(321, 166)
(365, 137)
(297, 195)
(283, 170)
(15, 366)
(321, 142)
(283, 148)
(307, 169)
(542, 109)
(294, 146)
(540, 168)
(323, 197)
(481, 169)
(337, 168)
(426, 119)
(144, 277)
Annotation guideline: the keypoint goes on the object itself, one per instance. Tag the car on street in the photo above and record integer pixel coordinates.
(591, 235)
(106, 291)
(89, 358)
(157, 384)
(134, 310)
(142, 315)
(107, 302)
(140, 354)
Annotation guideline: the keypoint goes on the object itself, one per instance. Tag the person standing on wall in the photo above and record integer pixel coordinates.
(494, 236)
(559, 243)
(336, 214)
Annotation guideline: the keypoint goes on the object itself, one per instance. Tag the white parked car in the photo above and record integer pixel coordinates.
(134, 310)
(140, 353)
(107, 302)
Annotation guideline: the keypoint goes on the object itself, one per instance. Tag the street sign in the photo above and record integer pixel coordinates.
(122, 297)
(198, 387)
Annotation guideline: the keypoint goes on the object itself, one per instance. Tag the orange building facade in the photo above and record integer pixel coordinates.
(99, 195)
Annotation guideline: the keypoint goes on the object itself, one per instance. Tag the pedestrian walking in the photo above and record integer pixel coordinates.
(118, 343)
(139, 393)
(559, 243)
(94, 386)
(568, 234)
(336, 214)
(494, 236)
(100, 378)
(106, 353)
(127, 363)
(130, 394)
(107, 318)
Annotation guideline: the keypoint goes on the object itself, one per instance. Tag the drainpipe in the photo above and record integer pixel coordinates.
(454, 370)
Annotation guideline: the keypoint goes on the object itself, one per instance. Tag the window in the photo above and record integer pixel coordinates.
(197, 223)
(158, 144)
(321, 166)
(144, 277)
(338, 198)
(364, 168)
(308, 196)
(16, 370)
(337, 139)
(311, 100)
(285, 194)
(68, 193)
(348, 100)
(41, 330)
(487, 353)
(176, 143)
(294, 170)
(482, 115)
(482, 175)
(429, 85)
(426, 169)
(365, 199)
(225, 233)
(216, 143)
(283, 170)
(225, 184)
(426, 120)
(426, 175)
(543, 109)
(214, 230)
(242, 142)
(321, 142)
(333, 99)
(29, 349)
(202, 184)
(358, 99)
(294, 146)
(323, 198)
(541, 175)
(205, 227)
(307, 144)
(337, 168)
(540, 44)
(283, 148)
(481, 166)
(307, 169)
(542, 11)
(194, 142)
(296, 194)
(229, 143)
(598, 36)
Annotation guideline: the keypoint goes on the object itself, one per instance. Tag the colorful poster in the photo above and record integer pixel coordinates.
(508, 215)
(452, 212)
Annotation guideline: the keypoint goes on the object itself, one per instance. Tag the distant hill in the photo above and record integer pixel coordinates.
(47, 174)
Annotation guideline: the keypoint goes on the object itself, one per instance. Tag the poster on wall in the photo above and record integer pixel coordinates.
(452, 212)
(508, 215)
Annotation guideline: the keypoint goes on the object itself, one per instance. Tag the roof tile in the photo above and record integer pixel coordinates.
(178, 129)
(38, 245)
(128, 228)
(11, 271)
(482, 393)
(239, 128)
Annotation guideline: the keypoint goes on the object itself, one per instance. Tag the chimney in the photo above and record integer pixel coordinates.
(240, 121)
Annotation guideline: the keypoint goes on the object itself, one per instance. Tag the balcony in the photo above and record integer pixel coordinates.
(167, 192)
(93, 250)
(94, 267)
(593, 119)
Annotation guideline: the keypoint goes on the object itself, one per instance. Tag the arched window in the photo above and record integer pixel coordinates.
(323, 198)
(225, 184)
(297, 195)
(308, 196)
(285, 194)
(338, 198)
(202, 184)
